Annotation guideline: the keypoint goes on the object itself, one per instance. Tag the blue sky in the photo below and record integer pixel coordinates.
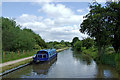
(15, 9)
(53, 21)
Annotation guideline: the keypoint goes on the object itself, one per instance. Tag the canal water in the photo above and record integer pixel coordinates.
(66, 65)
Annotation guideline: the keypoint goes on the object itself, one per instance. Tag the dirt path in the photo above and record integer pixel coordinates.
(15, 61)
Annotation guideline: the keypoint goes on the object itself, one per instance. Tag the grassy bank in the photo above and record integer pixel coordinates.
(59, 50)
(10, 56)
(109, 58)
(15, 65)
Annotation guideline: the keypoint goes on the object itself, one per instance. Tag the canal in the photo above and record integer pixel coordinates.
(67, 65)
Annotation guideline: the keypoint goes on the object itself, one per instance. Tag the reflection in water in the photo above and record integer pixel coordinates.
(103, 71)
(69, 64)
(82, 57)
(43, 67)
(106, 72)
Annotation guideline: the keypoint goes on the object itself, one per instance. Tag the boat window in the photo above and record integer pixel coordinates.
(44, 56)
(40, 56)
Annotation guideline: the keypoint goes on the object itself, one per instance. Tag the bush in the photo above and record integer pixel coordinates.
(77, 46)
(108, 59)
(117, 60)
(118, 67)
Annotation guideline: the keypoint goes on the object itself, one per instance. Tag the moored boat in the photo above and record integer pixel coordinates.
(44, 55)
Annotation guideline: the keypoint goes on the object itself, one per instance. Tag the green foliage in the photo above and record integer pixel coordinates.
(91, 52)
(113, 23)
(118, 67)
(75, 39)
(14, 38)
(58, 45)
(88, 42)
(9, 56)
(102, 23)
(77, 45)
(94, 25)
(108, 59)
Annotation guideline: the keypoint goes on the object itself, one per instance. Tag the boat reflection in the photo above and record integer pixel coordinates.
(43, 67)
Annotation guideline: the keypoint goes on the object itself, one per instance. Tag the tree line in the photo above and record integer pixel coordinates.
(58, 45)
(14, 38)
(103, 24)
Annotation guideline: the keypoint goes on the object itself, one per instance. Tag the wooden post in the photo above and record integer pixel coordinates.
(23, 51)
(18, 52)
(3, 54)
(3, 58)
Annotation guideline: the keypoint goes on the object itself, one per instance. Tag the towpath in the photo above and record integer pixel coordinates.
(13, 62)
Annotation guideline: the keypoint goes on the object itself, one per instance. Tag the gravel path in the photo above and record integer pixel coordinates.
(15, 61)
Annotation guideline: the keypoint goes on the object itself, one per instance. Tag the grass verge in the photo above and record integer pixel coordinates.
(10, 56)
(15, 65)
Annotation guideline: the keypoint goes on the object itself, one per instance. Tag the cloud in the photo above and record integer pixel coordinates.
(80, 10)
(47, 28)
(55, 11)
(58, 23)
(28, 18)
(62, 15)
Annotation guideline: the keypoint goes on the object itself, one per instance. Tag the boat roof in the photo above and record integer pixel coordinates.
(48, 50)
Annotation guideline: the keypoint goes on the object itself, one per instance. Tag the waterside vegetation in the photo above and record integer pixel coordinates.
(102, 24)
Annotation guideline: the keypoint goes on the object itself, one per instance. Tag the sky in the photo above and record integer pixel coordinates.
(53, 21)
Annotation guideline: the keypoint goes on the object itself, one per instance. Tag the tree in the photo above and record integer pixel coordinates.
(9, 34)
(75, 39)
(113, 23)
(103, 23)
(94, 25)
(88, 42)
(77, 45)
(14, 38)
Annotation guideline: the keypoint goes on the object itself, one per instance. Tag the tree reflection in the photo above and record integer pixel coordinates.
(82, 57)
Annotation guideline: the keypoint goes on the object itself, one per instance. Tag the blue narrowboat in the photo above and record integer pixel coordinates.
(44, 55)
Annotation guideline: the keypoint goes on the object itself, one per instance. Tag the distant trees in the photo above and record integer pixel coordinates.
(102, 23)
(14, 38)
(78, 44)
(74, 40)
(58, 45)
